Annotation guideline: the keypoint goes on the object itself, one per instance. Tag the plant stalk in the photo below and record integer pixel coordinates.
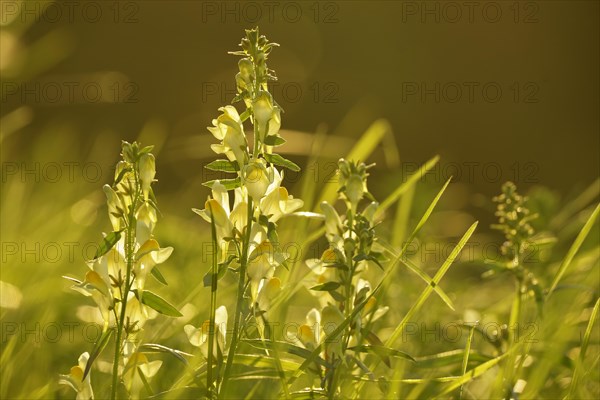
(129, 239)
(240, 300)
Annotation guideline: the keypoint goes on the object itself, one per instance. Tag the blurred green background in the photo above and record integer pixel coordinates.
(501, 90)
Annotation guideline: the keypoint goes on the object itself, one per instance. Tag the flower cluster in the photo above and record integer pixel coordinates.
(118, 273)
(513, 221)
(339, 275)
(246, 228)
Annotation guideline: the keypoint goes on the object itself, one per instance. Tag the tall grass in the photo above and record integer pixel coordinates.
(525, 321)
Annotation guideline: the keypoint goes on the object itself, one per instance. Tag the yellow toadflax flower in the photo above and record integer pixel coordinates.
(229, 130)
(75, 379)
(198, 337)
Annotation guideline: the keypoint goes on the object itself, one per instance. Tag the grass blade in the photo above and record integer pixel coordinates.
(582, 351)
(465, 362)
(435, 281)
(474, 373)
(574, 248)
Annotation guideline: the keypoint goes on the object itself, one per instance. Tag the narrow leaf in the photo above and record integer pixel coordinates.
(286, 347)
(472, 374)
(327, 286)
(447, 358)
(382, 352)
(274, 140)
(108, 243)
(223, 166)
(583, 350)
(435, 281)
(159, 348)
(465, 362)
(159, 304)
(98, 347)
(574, 248)
(229, 184)
(282, 162)
(159, 277)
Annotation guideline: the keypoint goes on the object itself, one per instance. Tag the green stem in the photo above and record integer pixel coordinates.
(213, 300)
(240, 300)
(129, 243)
(121, 322)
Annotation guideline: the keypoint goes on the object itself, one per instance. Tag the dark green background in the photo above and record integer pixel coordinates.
(360, 54)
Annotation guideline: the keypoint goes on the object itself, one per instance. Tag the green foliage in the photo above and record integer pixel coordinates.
(347, 320)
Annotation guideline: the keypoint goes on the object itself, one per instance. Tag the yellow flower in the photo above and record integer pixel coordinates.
(267, 115)
(229, 130)
(333, 222)
(268, 289)
(115, 207)
(147, 257)
(83, 387)
(331, 318)
(279, 203)
(310, 332)
(98, 289)
(218, 207)
(145, 222)
(137, 365)
(257, 178)
(147, 171)
(239, 213)
(198, 337)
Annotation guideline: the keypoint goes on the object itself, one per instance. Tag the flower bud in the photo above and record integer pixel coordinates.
(114, 205)
(257, 179)
(354, 189)
(263, 111)
(246, 69)
(147, 170)
(333, 223)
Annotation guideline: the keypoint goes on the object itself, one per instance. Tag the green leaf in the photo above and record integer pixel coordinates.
(108, 243)
(327, 286)
(146, 149)
(159, 277)
(159, 348)
(223, 165)
(465, 362)
(423, 275)
(447, 358)
(378, 348)
(337, 296)
(69, 278)
(584, 345)
(282, 162)
(207, 279)
(436, 280)
(368, 257)
(229, 184)
(259, 360)
(286, 347)
(574, 248)
(121, 175)
(98, 347)
(274, 140)
(382, 352)
(158, 304)
(474, 373)
(309, 394)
